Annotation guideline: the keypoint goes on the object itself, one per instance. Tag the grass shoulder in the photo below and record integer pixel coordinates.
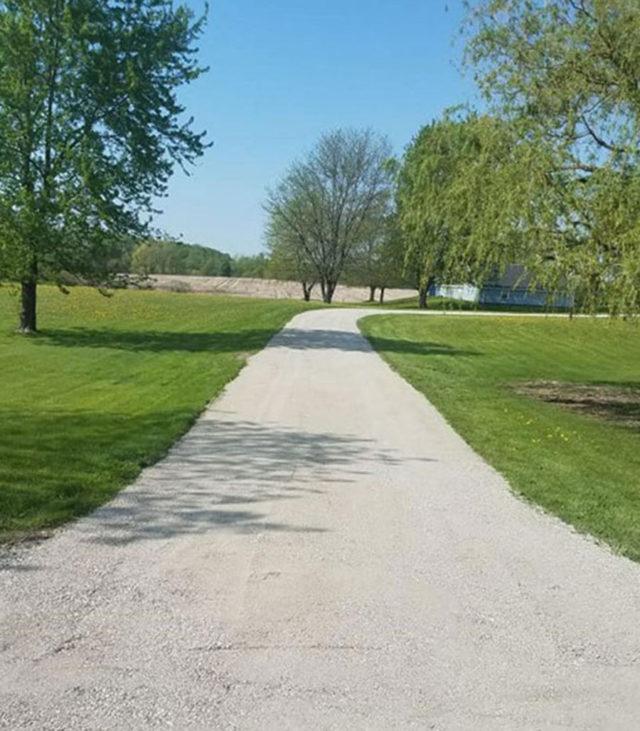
(552, 403)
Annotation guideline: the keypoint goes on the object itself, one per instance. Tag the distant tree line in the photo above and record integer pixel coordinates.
(375, 263)
(167, 256)
(173, 257)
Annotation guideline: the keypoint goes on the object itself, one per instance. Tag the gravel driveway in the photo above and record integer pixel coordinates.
(320, 551)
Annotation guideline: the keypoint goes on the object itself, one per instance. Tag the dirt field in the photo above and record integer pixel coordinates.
(614, 403)
(265, 288)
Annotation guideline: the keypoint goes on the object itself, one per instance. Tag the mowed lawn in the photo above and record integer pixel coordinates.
(106, 387)
(583, 464)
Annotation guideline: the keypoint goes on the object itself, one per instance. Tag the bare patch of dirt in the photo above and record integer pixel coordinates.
(263, 288)
(620, 404)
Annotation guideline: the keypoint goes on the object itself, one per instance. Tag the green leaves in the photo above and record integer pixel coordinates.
(460, 204)
(563, 75)
(90, 125)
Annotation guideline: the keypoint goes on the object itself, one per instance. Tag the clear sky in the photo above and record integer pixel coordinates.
(282, 72)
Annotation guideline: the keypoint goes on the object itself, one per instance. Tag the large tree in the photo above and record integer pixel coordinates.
(90, 129)
(460, 202)
(564, 75)
(330, 201)
(426, 168)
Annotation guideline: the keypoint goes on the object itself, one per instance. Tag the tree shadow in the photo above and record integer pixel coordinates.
(219, 475)
(239, 341)
(13, 559)
(345, 340)
(56, 466)
(157, 340)
(414, 347)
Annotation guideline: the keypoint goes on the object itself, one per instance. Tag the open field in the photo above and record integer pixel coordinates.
(106, 387)
(553, 404)
(264, 288)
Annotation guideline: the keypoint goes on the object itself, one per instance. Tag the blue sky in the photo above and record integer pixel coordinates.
(282, 72)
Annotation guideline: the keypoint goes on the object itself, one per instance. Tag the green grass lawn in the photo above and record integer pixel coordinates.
(106, 387)
(581, 466)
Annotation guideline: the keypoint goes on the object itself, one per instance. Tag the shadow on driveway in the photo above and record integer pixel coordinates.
(218, 476)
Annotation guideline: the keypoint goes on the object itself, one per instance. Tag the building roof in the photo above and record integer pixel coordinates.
(515, 276)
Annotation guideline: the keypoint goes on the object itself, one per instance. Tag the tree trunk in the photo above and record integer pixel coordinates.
(381, 300)
(328, 288)
(372, 293)
(306, 290)
(422, 298)
(28, 306)
(29, 286)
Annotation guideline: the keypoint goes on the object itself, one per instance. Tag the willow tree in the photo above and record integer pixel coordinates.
(90, 130)
(330, 201)
(463, 204)
(428, 166)
(564, 74)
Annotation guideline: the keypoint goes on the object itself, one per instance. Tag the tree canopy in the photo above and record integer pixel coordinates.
(460, 201)
(563, 75)
(154, 256)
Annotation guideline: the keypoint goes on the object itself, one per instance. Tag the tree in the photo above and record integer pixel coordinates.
(288, 259)
(142, 259)
(428, 166)
(363, 267)
(329, 202)
(391, 265)
(463, 199)
(90, 130)
(377, 263)
(254, 266)
(564, 75)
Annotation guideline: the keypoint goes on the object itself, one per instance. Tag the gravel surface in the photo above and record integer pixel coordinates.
(320, 551)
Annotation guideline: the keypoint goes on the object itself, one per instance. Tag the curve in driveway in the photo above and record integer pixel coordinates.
(321, 550)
